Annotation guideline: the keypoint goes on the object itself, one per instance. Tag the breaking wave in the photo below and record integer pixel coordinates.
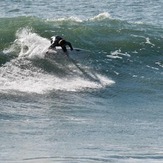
(110, 49)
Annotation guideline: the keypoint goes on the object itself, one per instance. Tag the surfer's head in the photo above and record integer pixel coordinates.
(52, 39)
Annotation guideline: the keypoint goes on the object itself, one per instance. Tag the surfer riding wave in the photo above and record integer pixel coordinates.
(59, 41)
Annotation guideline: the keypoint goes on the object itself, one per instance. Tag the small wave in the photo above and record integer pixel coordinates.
(101, 16)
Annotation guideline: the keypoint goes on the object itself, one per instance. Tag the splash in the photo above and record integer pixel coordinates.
(32, 45)
(29, 44)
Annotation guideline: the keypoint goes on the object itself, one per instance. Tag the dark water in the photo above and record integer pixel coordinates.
(103, 104)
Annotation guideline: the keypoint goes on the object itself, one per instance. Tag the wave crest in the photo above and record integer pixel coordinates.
(102, 16)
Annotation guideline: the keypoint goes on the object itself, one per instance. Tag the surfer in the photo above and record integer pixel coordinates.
(59, 41)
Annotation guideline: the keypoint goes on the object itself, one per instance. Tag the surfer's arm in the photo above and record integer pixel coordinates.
(69, 44)
(53, 45)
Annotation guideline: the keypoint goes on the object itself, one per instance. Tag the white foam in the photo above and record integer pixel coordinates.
(159, 64)
(14, 78)
(117, 54)
(148, 41)
(71, 18)
(18, 80)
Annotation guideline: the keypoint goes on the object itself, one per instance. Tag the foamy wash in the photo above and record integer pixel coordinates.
(103, 104)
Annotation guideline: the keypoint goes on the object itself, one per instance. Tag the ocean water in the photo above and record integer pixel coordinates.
(103, 104)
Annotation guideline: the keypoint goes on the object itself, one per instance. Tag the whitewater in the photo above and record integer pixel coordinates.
(103, 103)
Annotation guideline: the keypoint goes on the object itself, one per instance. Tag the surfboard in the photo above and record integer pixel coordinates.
(58, 53)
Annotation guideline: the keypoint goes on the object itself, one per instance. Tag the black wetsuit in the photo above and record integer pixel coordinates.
(59, 41)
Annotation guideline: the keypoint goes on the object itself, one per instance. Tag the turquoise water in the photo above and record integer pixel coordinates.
(103, 104)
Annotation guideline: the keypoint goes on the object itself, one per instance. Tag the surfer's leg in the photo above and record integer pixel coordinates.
(64, 48)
